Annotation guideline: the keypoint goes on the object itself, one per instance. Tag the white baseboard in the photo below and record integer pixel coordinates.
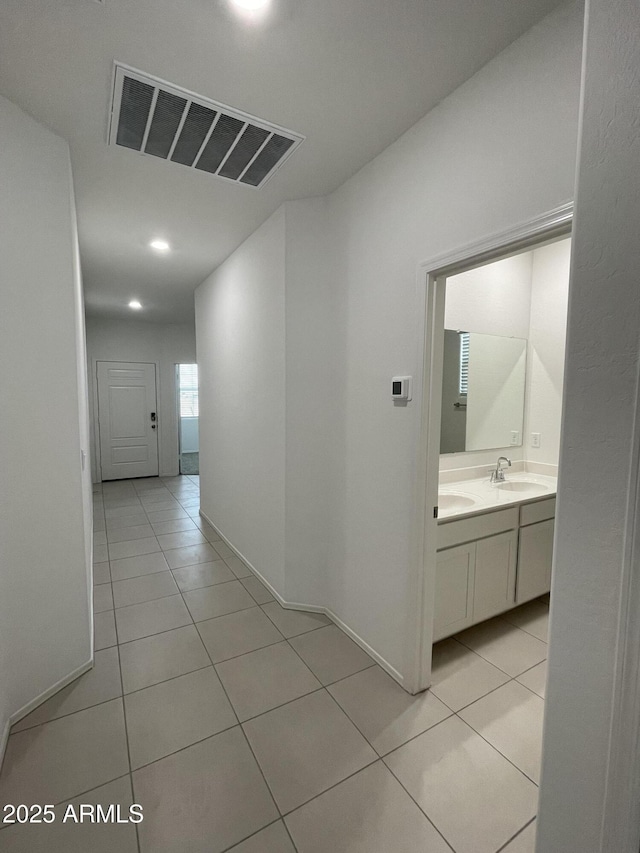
(34, 703)
(4, 739)
(311, 608)
(392, 671)
(59, 685)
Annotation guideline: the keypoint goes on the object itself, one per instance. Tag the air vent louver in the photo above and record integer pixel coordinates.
(153, 117)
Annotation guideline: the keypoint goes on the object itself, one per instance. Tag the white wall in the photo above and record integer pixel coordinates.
(499, 151)
(585, 761)
(240, 329)
(494, 299)
(313, 398)
(45, 617)
(264, 321)
(137, 341)
(547, 343)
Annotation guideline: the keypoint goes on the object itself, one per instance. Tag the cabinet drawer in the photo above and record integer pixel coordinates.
(452, 533)
(538, 511)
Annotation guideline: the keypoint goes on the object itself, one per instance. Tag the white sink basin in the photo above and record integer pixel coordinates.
(453, 501)
(467, 497)
(523, 486)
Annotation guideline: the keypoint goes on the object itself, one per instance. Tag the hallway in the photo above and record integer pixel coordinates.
(240, 725)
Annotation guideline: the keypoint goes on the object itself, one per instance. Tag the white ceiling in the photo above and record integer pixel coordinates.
(350, 75)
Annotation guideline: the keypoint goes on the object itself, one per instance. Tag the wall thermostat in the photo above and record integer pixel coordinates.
(401, 388)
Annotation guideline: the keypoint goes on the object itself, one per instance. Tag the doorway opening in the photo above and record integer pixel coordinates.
(443, 593)
(492, 417)
(188, 415)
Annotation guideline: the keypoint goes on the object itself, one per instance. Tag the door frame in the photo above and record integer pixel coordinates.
(431, 282)
(176, 379)
(95, 412)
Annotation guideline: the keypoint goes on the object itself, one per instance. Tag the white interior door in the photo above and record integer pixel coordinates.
(128, 420)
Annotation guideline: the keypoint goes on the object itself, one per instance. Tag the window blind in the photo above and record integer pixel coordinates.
(188, 390)
(463, 382)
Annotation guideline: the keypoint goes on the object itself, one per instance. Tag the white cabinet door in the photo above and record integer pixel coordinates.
(454, 590)
(127, 417)
(535, 555)
(495, 575)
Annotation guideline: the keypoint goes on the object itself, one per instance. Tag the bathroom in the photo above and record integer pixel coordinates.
(504, 344)
(501, 407)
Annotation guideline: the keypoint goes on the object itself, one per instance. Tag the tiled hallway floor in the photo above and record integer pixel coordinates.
(242, 726)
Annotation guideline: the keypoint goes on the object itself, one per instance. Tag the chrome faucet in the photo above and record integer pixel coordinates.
(497, 476)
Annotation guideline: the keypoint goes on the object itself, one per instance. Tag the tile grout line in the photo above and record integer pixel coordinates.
(518, 833)
(377, 760)
(293, 636)
(186, 746)
(499, 616)
(113, 698)
(366, 766)
(239, 724)
(288, 831)
(506, 758)
(413, 799)
(325, 687)
(269, 710)
(253, 835)
(520, 627)
(146, 600)
(126, 733)
(405, 742)
(165, 680)
(83, 793)
(381, 757)
(486, 660)
(242, 654)
(148, 636)
(493, 690)
(456, 714)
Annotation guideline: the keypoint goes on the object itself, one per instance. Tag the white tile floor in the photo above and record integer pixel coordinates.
(242, 726)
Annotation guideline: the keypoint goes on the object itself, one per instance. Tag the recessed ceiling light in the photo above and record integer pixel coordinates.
(159, 245)
(135, 304)
(251, 5)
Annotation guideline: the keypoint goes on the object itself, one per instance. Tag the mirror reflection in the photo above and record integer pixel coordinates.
(483, 387)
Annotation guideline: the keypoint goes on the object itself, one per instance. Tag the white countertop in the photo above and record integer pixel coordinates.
(470, 497)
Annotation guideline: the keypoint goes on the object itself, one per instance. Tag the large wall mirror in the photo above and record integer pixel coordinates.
(483, 387)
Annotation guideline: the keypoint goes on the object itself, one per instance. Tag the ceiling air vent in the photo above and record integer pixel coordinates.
(154, 117)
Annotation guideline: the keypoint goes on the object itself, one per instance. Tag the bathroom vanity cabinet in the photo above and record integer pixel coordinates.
(490, 562)
(535, 549)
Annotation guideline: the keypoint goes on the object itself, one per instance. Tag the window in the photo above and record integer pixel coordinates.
(188, 390)
(463, 381)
